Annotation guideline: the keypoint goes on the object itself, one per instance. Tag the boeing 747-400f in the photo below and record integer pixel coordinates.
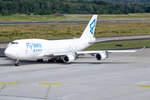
(64, 51)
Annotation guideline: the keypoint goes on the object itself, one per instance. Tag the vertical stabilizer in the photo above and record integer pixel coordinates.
(88, 34)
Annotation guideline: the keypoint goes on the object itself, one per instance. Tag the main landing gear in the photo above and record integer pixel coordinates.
(40, 60)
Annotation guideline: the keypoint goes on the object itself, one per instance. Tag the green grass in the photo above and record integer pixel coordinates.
(67, 17)
(126, 16)
(31, 18)
(113, 16)
(124, 45)
(48, 31)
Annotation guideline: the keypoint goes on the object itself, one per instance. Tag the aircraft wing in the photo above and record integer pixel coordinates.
(99, 51)
(92, 52)
(103, 54)
(109, 51)
(121, 51)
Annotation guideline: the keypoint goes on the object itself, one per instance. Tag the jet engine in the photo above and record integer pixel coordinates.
(102, 55)
(68, 58)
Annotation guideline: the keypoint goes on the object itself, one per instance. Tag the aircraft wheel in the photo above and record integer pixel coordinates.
(40, 60)
(16, 64)
(50, 61)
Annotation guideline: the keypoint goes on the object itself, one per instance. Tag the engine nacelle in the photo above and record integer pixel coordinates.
(102, 55)
(68, 58)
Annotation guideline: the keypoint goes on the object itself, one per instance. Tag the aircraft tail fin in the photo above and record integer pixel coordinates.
(88, 33)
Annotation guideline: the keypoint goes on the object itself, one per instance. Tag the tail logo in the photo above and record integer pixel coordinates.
(92, 26)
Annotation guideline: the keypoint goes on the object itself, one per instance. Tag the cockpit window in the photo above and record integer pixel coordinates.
(14, 42)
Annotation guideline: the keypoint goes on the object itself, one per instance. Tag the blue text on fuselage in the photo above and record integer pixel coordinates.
(35, 47)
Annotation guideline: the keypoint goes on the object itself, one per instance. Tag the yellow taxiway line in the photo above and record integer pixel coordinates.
(144, 86)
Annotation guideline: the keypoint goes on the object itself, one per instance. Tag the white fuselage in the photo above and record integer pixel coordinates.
(33, 49)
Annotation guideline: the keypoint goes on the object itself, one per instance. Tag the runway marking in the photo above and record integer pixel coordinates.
(50, 84)
(47, 92)
(49, 87)
(45, 83)
(57, 84)
(3, 86)
(2, 83)
(13, 83)
(17, 83)
(144, 86)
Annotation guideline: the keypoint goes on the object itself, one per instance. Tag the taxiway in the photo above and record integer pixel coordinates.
(123, 76)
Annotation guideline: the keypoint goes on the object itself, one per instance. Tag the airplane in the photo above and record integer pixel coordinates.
(60, 51)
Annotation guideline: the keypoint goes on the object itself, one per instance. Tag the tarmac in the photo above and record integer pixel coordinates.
(123, 76)
(78, 22)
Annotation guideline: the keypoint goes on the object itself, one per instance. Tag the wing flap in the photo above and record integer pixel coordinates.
(89, 52)
(55, 54)
(121, 51)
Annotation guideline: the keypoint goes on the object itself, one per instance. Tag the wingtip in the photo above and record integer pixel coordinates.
(143, 48)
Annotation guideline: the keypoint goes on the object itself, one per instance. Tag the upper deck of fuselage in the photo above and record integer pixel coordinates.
(46, 40)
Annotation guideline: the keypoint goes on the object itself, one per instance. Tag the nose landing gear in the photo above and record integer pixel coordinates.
(17, 62)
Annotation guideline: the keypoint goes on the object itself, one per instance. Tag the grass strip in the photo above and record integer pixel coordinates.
(12, 32)
(120, 45)
(69, 17)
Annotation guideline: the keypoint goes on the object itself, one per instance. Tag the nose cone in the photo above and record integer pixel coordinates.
(9, 53)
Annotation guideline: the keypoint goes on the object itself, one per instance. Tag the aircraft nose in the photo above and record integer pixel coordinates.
(8, 52)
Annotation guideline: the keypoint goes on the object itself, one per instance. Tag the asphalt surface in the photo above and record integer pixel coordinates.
(70, 22)
(123, 76)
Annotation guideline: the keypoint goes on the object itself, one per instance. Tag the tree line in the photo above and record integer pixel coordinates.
(44, 7)
(128, 1)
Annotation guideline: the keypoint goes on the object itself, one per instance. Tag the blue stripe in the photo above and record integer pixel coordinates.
(92, 26)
